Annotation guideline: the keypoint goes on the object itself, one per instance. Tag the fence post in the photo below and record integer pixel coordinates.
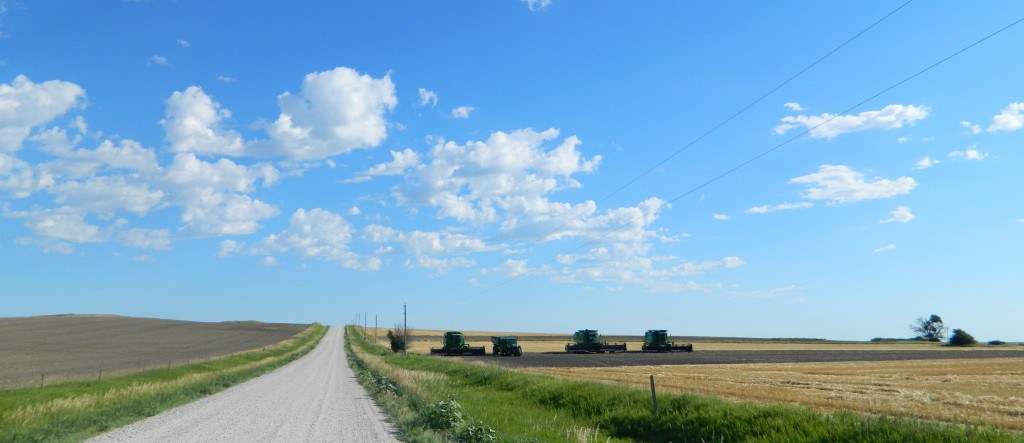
(654, 398)
(42, 377)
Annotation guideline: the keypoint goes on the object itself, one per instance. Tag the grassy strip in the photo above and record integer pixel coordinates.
(75, 411)
(524, 407)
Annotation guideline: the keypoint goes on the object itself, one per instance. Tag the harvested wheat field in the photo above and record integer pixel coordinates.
(988, 391)
(49, 349)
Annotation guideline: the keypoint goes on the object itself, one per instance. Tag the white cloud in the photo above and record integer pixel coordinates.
(1010, 119)
(792, 106)
(779, 207)
(146, 238)
(902, 140)
(183, 43)
(537, 5)
(900, 215)
(63, 223)
(840, 184)
(926, 163)
(212, 195)
(353, 211)
(511, 171)
(158, 60)
(336, 112)
(428, 98)
(462, 112)
(226, 79)
(193, 124)
(721, 217)
(317, 233)
(967, 154)
(400, 162)
(268, 261)
(885, 248)
(24, 105)
(970, 127)
(829, 126)
(108, 194)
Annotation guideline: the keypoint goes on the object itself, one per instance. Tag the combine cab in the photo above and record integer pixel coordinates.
(656, 340)
(588, 340)
(506, 345)
(454, 343)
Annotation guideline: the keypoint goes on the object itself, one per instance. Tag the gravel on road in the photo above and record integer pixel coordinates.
(315, 398)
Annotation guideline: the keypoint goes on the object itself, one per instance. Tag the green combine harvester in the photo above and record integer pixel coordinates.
(454, 343)
(657, 340)
(506, 345)
(588, 340)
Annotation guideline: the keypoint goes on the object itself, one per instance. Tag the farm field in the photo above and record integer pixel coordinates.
(51, 349)
(980, 384)
(989, 391)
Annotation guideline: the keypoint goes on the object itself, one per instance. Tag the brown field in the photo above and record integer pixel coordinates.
(49, 349)
(988, 391)
(980, 384)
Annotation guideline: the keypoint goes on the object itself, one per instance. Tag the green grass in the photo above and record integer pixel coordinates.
(75, 411)
(524, 407)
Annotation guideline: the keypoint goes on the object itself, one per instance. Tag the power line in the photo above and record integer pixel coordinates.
(752, 159)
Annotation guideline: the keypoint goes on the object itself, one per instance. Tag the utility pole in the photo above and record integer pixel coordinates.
(405, 330)
(375, 329)
(364, 321)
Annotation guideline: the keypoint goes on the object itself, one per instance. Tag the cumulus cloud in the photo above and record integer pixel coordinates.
(829, 126)
(537, 5)
(472, 181)
(792, 106)
(183, 43)
(193, 124)
(968, 154)
(721, 217)
(337, 111)
(462, 112)
(840, 184)
(146, 238)
(158, 60)
(970, 128)
(62, 223)
(316, 233)
(779, 207)
(900, 215)
(25, 105)
(1010, 119)
(400, 162)
(428, 98)
(213, 195)
(925, 163)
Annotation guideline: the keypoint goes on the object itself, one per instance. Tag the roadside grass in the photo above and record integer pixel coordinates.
(523, 407)
(74, 411)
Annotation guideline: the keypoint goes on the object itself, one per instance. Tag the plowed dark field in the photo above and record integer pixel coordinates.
(631, 358)
(49, 349)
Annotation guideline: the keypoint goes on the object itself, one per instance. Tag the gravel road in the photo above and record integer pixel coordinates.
(313, 399)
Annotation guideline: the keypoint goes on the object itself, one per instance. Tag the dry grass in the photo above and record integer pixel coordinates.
(988, 391)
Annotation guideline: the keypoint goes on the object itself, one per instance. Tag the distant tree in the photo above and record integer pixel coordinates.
(931, 329)
(996, 342)
(397, 340)
(960, 337)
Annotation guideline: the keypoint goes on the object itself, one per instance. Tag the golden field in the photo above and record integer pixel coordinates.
(987, 391)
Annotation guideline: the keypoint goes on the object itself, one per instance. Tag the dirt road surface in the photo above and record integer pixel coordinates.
(313, 399)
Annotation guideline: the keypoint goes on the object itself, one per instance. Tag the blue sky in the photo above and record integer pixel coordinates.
(511, 165)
